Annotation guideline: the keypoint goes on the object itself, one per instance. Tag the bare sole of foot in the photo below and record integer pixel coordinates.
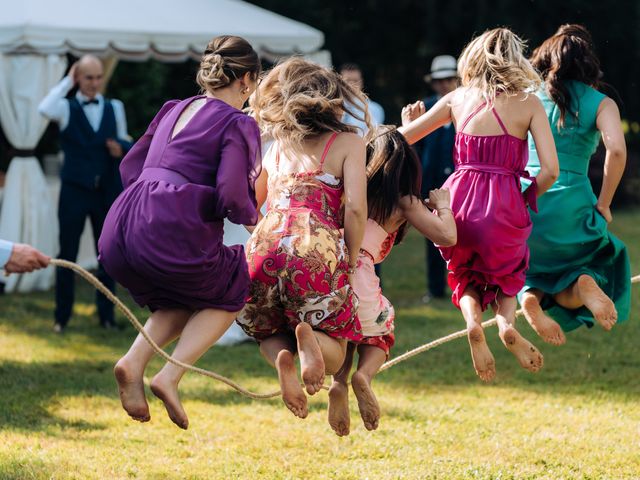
(132, 394)
(367, 401)
(168, 393)
(601, 306)
(292, 394)
(483, 361)
(546, 328)
(311, 361)
(528, 356)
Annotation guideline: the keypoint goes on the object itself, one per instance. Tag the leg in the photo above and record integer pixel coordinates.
(320, 354)
(279, 351)
(586, 292)
(483, 361)
(505, 311)
(72, 212)
(163, 327)
(370, 359)
(543, 325)
(201, 331)
(99, 211)
(339, 396)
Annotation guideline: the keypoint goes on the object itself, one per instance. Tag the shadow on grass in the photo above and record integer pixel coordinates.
(33, 390)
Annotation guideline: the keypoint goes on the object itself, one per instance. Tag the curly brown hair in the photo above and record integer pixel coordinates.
(299, 99)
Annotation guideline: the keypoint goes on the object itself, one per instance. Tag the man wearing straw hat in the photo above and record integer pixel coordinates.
(436, 154)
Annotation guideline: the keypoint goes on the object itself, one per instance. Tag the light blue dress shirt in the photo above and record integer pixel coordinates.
(5, 252)
(376, 112)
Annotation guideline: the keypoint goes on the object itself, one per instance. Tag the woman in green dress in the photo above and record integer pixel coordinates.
(579, 272)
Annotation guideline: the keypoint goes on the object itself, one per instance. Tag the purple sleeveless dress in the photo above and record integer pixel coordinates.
(491, 214)
(162, 238)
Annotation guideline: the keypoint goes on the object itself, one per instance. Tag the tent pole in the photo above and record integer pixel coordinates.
(110, 63)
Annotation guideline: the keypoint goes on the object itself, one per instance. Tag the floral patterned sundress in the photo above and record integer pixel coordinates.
(298, 260)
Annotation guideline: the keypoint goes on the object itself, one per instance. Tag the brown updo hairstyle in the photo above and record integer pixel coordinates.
(226, 59)
(300, 99)
(567, 55)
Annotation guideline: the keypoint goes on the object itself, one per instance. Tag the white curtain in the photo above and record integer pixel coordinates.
(28, 214)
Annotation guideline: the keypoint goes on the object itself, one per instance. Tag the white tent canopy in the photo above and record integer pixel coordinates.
(35, 36)
(168, 30)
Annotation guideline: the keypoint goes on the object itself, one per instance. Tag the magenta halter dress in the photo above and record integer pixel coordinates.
(491, 214)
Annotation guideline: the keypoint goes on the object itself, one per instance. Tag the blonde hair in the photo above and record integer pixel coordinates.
(494, 63)
(300, 99)
(226, 59)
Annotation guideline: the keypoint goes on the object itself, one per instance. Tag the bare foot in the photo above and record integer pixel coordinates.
(131, 391)
(528, 355)
(167, 391)
(339, 408)
(311, 361)
(483, 361)
(601, 306)
(546, 328)
(292, 394)
(367, 401)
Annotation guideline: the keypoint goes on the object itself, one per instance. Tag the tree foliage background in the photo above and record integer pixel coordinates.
(394, 42)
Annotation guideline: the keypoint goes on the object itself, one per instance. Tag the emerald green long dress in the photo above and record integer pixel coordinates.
(569, 236)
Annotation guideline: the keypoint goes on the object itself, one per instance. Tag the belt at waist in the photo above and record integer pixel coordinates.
(530, 194)
(163, 174)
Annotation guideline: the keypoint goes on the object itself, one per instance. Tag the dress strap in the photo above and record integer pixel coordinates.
(277, 148)
(326, 148)
(495, 114)
(473, 114)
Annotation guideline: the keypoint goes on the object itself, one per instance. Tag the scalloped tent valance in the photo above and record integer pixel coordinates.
(167, 30)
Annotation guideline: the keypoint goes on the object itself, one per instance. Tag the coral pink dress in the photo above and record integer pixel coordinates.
(298, 260)
(375, 312)
(491, 214)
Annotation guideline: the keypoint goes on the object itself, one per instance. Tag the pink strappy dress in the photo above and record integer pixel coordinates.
(491, 213)
(375, 312)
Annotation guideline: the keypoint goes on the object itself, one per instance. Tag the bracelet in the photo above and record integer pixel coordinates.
(351, 270)
(444, 208)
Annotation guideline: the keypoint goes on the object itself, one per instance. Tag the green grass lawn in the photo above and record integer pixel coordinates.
(60, 416)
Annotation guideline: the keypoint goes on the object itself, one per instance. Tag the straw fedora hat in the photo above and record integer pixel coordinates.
(442, 66)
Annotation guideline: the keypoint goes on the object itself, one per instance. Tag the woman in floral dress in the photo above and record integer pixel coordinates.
(300, 297)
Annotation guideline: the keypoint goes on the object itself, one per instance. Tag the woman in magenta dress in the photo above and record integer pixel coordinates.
(493, 115)
(162, 239)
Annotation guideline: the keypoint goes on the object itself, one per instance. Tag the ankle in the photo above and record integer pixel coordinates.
(132, 367)
(169, 375)
(364, 375)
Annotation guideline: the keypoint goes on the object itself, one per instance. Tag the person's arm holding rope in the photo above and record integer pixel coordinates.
(21, 258)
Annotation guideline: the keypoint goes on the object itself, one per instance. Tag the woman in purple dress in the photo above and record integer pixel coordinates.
(162, 239)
